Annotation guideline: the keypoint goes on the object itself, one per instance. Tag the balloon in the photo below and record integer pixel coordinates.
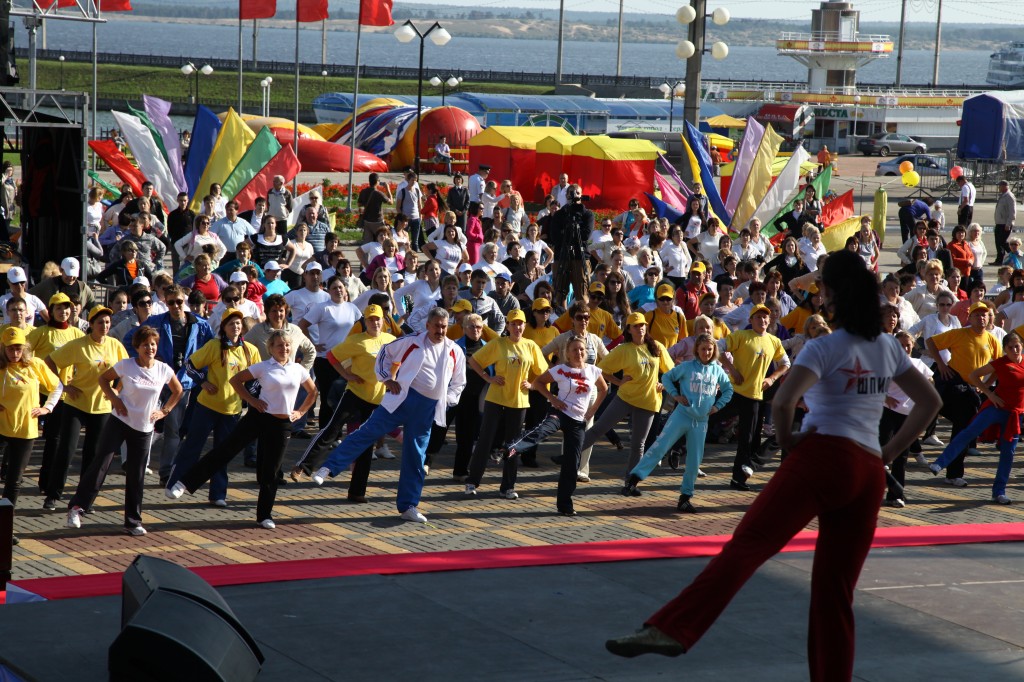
(955, 172)
(906, 167)
(911, 178)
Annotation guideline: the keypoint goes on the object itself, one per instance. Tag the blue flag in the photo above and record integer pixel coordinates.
(663, 210)
(696, 142)
(204, 135)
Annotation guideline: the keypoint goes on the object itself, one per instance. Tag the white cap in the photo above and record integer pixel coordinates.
(271, 265)
(937, 204)
(16, 275)
(70, 267)
(465, 267)
(632, 242)
(239, 276)
(313, 265)
(141, 279)
(398, 277)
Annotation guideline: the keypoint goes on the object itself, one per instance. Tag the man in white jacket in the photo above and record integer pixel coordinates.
(423, 374)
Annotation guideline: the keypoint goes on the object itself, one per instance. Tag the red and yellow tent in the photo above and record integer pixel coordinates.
(511, 153)
(553, 156)
(613, 171)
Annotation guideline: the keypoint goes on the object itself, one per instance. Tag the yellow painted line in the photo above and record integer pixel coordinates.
(520, 538)
(332, 529)
(383, 546)
(234, 555)
(903, 519)
(34, 546)
(79, 567)
(189, 537)
(649, 531)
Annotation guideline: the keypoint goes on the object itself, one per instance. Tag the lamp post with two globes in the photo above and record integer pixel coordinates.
(677, 89)
(450, 83)
(189, 69)
(265, 87)
(693, 51)
(440, 37)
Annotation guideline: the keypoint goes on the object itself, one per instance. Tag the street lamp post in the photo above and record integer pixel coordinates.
(856, 107)
(323, 74)
(672, 91)
(440, 37)
(189, 69)
(693, 50)
(265, 87)
(451, 82)
(61, 60)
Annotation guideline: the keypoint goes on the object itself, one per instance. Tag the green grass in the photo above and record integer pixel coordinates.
(220, 88)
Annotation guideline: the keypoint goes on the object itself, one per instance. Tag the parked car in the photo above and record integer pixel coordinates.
(924, 164)
(884, 144)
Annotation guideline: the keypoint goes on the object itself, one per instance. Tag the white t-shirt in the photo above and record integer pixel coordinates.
(301, 301)
(897, 394)
(1014, 313)
(598, 237)
(95, 214)
(425, 382)
(420, 292)
(575, 387)
(967, 192)
(854, 375)
(448, 255)
(279, 384)
(692, 227)
(536, 246)
(678, 257)
(247, 307)
(33, 303)
(140, 391)
(333, 322)
(929, 326)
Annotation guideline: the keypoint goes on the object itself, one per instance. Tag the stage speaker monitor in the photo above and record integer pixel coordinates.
(148, 578)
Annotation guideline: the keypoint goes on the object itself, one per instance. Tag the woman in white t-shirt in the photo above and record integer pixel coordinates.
(136, 407)
(833, 471)
(576, 381)
(268, 422)
(532, 242)
(333, 320)
(300, 251)
(448, 251)
(94, 212)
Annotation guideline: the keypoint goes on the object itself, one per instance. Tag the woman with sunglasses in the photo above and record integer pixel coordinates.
(191, 245)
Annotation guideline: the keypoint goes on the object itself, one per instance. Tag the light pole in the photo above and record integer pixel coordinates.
(693, 50)
(856, 107)
(440, 37)
(189, 69)
(265, 87)
(677, 89)
(61, 60)
(323, 74)
(452, 82)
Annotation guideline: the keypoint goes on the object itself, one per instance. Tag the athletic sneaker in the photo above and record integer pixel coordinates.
(649, 640)
(747, 471)
(413, 514)
(175, 491)
(321, 475)
(74, 517)
(898, 503)
(935, 469)
(933, 441)
(582, 478)
(137, 531)
(956, 482)
(701, 474)
(1002, 499)
(921, 459)
(508, 494)
(219, 503)
(470, 490)
(267, 524)
(384, 452)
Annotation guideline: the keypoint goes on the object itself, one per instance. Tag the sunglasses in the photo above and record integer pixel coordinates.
(582, 318)
(232, 300)
(145, 304)
(174, 301)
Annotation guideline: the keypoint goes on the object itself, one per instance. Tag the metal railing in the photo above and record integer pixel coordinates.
(835, 36)
(870, 90)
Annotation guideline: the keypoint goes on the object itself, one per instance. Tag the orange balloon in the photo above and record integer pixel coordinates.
(906, 167)
(955, 172)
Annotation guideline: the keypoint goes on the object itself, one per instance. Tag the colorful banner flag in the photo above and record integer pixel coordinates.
(103, 183)
(258, 155)
(116, 6)
(837, 210)
(699, 155)
(119, 163)
(671, 172)
(205, 130)
(834, 238)
(310, 10)
(376, 12)
(157, 136)
(284, 163)
(820, 185)
(744, 158)
(148, 157)
(256, 9)
(159, 111)
(663, 210)
(786, 182)
(300, 202)
(669, 194)
(232, 142)
(758, 180)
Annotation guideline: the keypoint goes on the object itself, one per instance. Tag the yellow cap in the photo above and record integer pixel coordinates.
(666, 290)
(514, 315)
(596, 286)
(635, 318)
(980, 305)
(373, 310)
(462, 306)
(542, 304)
(759, 309)
(13, 336)
(99, 310)
(59, 298)
(229, 313)
(698, 267)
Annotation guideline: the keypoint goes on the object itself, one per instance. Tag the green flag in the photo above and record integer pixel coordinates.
(258, 155)
(157, 137)
(103, 183)
(820, 185)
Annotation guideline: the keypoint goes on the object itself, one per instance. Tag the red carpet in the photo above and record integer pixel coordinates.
(107, 584)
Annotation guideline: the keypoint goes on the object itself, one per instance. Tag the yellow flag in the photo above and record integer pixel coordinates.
(695, 174)
(834, 238)
(758, 180)
(232, 142)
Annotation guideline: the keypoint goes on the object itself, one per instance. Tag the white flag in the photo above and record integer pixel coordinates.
(148, 157)
(778, 194)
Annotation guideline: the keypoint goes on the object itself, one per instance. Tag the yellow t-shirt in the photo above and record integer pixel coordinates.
(27, 329)
(20, 386)
(541, 336)
(225, 400)
(88, 360)
(751, 355)
(46, 339)
(358, 353)
(795, 319)
(667, 330)
(635, 361)
(968, 351)
(721, 329)
(601, 324)
(517, 362)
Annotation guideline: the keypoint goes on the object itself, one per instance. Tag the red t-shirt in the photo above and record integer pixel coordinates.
(1010, 388)
(209, 288)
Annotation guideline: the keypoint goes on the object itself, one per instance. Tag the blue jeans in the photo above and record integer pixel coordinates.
(986, 418)
(416, 414)
(204, 421)
(679, 424)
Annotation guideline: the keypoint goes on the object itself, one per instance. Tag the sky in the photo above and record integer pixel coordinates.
(923, 11)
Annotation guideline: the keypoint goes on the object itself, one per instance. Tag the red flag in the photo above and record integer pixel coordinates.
(283, 163)
(376, 12)
(256, 9)
(119, 163)
(115, 5)
(837, 210)
(310, 10)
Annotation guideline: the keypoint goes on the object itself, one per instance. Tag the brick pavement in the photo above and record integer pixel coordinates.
(319, 523)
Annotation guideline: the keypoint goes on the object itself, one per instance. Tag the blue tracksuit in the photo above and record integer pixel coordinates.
(699, 384)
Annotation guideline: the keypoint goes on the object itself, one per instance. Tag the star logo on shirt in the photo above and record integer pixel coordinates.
(854, 375)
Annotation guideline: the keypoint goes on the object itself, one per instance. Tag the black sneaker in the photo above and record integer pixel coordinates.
(684, 505)
(736, 485)
(673, 459)
(567, 512)
(16, 541)
(629, 490)
(50, 503)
